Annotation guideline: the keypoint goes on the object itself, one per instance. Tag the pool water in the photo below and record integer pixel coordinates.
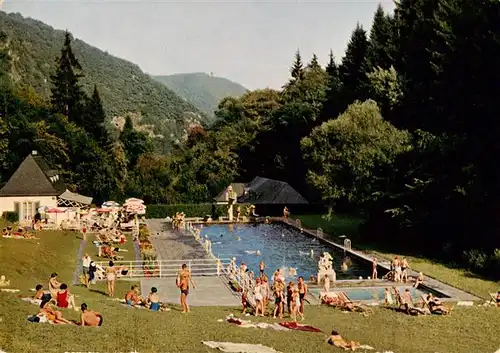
(376, 293)
(280, 247)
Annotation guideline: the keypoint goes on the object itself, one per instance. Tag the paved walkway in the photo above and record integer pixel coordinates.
(453, 293)
(170, 245)
(210, 291)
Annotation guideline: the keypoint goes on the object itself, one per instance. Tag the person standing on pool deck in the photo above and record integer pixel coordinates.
(302, 294)
(183, 280)
(374, 270)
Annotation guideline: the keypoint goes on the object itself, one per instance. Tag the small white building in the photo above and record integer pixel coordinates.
(34, 184)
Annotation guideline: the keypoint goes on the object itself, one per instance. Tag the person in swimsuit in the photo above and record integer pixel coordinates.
(64, 299)
(54, 285)
(404, 269)
(111, 272)
(132, 297)
(89, 317)
(302, 286)
(39, 292)
(278, 295)
(259, 307)
(289, 293)
(297, 304)
(337, 341)
(266, 291)
(52, 315)
(154, 300)
(498, 298)
(262, 267)
(374, 268)
(419, 280)
(183, 280)
(326, 286)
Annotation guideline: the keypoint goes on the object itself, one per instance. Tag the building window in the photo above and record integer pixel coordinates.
(28, 209)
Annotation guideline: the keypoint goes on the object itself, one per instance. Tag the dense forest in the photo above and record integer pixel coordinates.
(402, 130)
(202, 90)
(124, 88)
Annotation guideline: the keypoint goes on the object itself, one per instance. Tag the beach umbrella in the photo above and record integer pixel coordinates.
(55, 210)
(103, 210)
(133, 201)
(110, 204)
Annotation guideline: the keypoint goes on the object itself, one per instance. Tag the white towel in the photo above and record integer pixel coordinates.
(239, 347)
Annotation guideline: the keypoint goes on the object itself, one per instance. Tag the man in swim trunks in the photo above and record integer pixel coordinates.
(302, 286)
(183, 280)
(132, 296)
(89, 317)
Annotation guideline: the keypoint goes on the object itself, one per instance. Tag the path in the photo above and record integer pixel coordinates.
(453, 293)
(170, 245)
(210, 291)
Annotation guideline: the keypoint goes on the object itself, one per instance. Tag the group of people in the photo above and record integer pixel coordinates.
(58, 296)
(293, 295)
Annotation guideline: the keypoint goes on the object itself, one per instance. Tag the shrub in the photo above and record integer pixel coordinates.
(11, 217)
(191, 210)
(476, 260)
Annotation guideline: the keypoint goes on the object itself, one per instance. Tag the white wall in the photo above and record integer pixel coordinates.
(7, 203)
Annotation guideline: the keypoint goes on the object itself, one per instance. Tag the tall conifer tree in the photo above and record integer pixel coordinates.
(297, 70)
(67, 95)
(95, 119)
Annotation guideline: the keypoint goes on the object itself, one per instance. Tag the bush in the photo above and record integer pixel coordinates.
(11, 217)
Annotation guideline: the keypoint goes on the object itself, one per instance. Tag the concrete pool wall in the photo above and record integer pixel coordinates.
(447, 292)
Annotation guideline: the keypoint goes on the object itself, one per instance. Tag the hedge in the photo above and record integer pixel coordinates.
(11, 217)
(204, 209)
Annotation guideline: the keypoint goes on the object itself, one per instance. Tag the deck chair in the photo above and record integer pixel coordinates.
(493, 299)
(435, 311)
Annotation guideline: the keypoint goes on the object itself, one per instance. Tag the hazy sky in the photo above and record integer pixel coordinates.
(250, 42)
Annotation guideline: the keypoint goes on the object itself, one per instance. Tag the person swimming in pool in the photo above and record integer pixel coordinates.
(183, 280)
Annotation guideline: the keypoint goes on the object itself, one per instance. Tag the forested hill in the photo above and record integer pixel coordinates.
(202, 90)
(124, 88)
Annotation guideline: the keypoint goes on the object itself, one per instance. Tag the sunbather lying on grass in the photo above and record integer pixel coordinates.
(337, 341)
(436, 306)
(53, 316)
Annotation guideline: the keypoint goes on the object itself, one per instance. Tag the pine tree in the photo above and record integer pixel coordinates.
(135, 143)
(331, 107)
(95, 119)
(297, 70)
(354, 67)
(314, 64)
(67, 95)
(381, 51)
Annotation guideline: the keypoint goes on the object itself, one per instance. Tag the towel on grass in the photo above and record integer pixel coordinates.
(295, 326)
(32, 300)
(8, 290)
(239, 347)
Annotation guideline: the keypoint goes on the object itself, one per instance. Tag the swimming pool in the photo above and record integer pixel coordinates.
(280, 247)
(378, 293)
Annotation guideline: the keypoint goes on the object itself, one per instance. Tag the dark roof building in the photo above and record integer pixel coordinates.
(35, 178)
(265, 191)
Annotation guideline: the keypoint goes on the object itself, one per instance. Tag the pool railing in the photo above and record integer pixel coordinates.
(169, 268)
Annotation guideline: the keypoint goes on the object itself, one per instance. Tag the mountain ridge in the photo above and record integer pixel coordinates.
(124, 88)
(201, 89)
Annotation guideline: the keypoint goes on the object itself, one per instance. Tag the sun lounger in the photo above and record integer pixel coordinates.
(493, 299)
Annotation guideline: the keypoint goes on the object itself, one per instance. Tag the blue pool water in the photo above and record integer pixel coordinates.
(280, 247)
(378, 293)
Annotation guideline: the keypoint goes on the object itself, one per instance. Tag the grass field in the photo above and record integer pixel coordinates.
(339, 225)
(28, 262)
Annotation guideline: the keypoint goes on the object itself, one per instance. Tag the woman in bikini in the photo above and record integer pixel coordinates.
(183, 280)
(259, 298)
(302, 286)
(111, 274)
(262, 267)
(154, 300)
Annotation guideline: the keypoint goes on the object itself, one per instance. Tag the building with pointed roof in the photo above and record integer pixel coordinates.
(34, 184)
(264, 191)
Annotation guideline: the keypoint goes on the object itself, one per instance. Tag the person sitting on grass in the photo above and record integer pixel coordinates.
(336, 340)
(89, 317)
(498, 299)
(154, 300)
(132, 297)
(39, 292)
(54, 285)
(64, 299)
(52, 315)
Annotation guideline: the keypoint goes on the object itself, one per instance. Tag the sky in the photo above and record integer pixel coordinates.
(249, 42)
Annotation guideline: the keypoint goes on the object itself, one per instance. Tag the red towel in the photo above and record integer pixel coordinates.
(295, 326)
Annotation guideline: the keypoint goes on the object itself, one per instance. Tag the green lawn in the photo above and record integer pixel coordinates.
(339, 225)
(27, 262)
(93, 251)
